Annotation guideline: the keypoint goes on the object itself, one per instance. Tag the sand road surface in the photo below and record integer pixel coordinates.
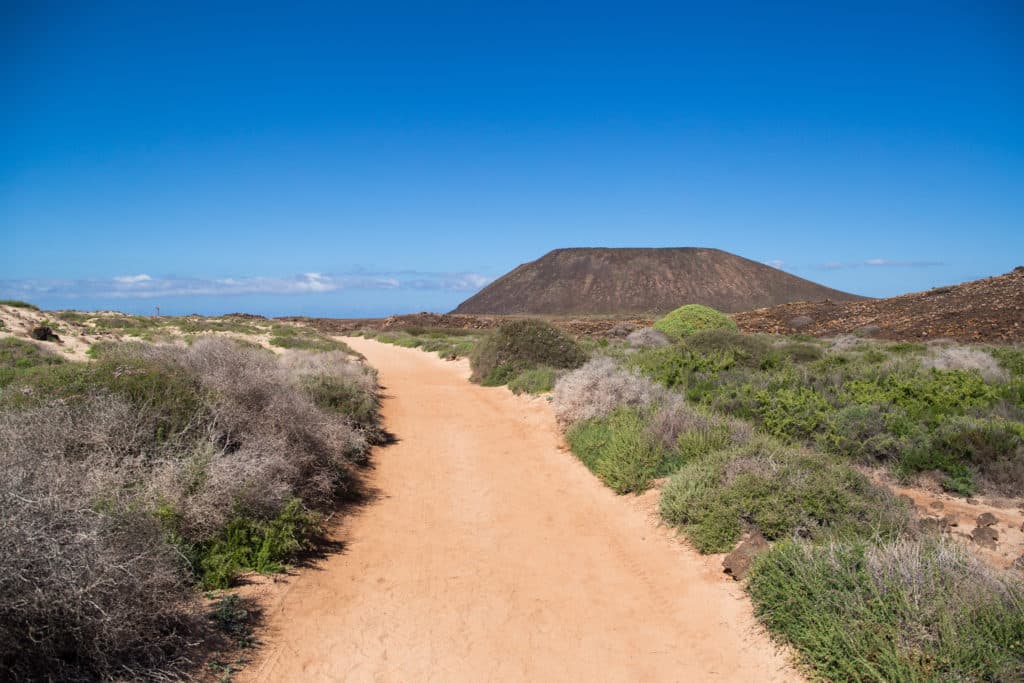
(492, 554)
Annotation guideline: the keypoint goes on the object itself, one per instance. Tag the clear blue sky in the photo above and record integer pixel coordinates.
(372, 158)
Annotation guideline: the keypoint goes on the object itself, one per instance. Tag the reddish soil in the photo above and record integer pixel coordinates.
(988, 310)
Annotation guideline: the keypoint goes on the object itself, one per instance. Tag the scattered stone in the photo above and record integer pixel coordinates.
(1018, 564)
(932, 524)
(972, 501)
(621, 330)
(801, 321)
(43, 333)
(987, 519)
(936, 505)
(951, 520)
(986, 537)
(867, 330)
(737, 563)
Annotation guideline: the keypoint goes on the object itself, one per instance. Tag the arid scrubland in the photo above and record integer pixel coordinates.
(135, 480)
(775, 437)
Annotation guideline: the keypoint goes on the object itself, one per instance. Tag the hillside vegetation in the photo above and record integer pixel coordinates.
(770, 436)
(136, 479)
(762, 436)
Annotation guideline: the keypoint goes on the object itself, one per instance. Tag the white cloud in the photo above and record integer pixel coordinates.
(132, 279)
(145, 286)
(775, 263)
(878, 263)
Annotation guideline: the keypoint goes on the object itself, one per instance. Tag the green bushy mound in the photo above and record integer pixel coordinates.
(693, 318)
(522, 345)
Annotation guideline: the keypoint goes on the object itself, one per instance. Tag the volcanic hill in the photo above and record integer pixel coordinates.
(617, 282)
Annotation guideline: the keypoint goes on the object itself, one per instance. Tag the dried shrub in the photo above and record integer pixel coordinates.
(88, 588)
(130, 479)
(965, 358)
(598, 388)
(647, 338)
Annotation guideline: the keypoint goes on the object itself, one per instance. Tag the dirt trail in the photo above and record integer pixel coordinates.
(493, 555)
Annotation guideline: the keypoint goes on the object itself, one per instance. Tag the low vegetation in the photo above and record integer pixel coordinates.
(448, 343)
(522, 346)
(135, 480)
(762, 435)
(687, 320)
(898, 610)
(946, 409)
(305, 338)
(16, 303)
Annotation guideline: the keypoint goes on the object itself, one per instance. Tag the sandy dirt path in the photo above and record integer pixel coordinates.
(492, 554)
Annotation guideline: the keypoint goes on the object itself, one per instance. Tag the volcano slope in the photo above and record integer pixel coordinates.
(492, 554)
(641, 282)
(986, 310)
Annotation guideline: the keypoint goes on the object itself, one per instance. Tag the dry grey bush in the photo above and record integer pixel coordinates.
(89, 586)
(598, 388)
(266, 442)
(966, 358)
(647, 338)
(87, 589)
(337, 364)
(677, 416)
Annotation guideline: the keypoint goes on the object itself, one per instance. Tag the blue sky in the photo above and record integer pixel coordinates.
(374, 158)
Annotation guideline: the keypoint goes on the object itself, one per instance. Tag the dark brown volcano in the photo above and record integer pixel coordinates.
(641, 282)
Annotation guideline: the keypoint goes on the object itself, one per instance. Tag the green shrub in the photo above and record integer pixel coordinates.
(521, 345)
(923, 610)
(248, 544)
(995, 448)
(925, 395)
(747, 350)
(305, 338)
(778, 491)
(692, 318)
(19, 354)
(792, 413)
(1011, 358)
(125, 323)
(618, 449)
(866, 433)
(533, 381)
(171, 397)
(15, 303)
(343, 396)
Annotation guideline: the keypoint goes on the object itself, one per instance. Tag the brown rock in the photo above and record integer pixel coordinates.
(801, 321)
(987, 519)
(951, 520)
(43, 333)
(986, 537)
(737, 563)
(936, 505)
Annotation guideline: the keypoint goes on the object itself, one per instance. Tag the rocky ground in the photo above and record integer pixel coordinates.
(989, 310)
